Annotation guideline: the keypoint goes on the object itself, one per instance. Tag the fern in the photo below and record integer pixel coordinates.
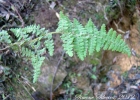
(37, 62)
(30, 45)
(4, 37)
(79, 47)
(89, 38)
(64, 24)
(76, 38)
(49, 44)
(90, 26)
(68, 43)
(27, 52)
(78, 28)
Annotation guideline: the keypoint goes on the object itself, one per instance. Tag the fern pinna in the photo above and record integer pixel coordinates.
(83, 40)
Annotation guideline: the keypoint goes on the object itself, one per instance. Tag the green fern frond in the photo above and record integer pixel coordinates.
(49, 44)
(86, 45)
(100, 38)
(34, 29)
(112, 38)
(76, 38)
(78, 28)
(90, 26)
(4, 37)
(37, 62)
(27, 52)
(40, 52)
(30, 29)
(79, 46)
(93, 36)
(64, 24)
(107, 37)
(117, 40)
(92, 44)
(23, 35)
(93, 41)
(20, 34)
(68, 43)
(90, 38)
(103, 34)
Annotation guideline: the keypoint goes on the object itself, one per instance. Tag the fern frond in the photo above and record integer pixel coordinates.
(76, 38)
(49, 44)
(100, 38)
(23, 33)
(90, 26)
(4, 37)
(93, 36)
(30, 28)
(64, 24)
(93, 41)
(79, 46)
(27, 52)
(117, 40)
(112, 38)
(107, 38)
(103, 34)
(37, 62)
(92, 44)
(88, 38)
(68, 43)
(20, 34)
(40, 52)
(86, 45)
(78, 28)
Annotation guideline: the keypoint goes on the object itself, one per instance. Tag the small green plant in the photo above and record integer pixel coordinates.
(125, 74)
(71, 90)
(79, 39)
(93, 76)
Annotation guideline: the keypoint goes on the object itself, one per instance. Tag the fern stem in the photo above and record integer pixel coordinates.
(16, 43)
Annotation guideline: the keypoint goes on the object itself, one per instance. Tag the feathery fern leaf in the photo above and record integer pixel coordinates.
(4, 37)
(30, 29)
(93, 41)
(107, 38)
(40, 52)
(68, 43)
(37, 63)
(78, 28)
(97, 39)
(20, 34)
(79, 46)
(92, 44)
(112, 40)
(27, 52)
(49, 44)
(86, 45)
(102, 35)
(64, 24)
(90, 26)
(76, 38)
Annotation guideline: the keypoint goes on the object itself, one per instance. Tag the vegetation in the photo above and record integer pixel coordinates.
(79, 39)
